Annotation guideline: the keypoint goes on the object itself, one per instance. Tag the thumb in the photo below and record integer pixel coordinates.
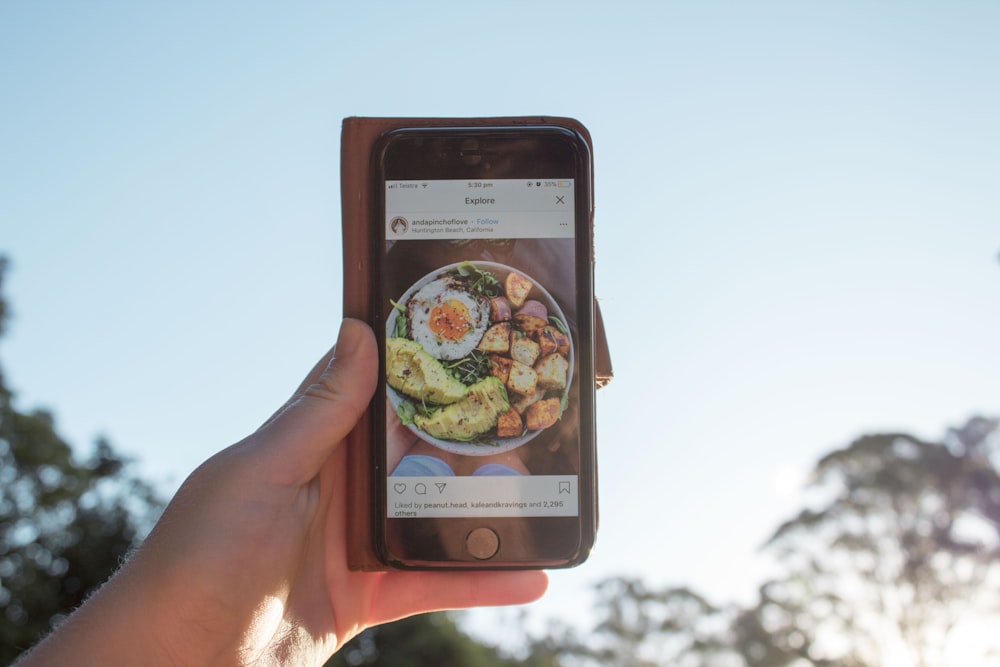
(303, 434)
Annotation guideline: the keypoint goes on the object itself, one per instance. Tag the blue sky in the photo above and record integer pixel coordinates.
(798, 227)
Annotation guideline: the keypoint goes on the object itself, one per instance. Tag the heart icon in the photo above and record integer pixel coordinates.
(399, 487)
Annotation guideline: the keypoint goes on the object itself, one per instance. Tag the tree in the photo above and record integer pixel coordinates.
(638, 625)
(903, 550)
(900, 550)
(65, 525)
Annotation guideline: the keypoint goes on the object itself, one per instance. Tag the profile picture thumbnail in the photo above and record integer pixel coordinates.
(399, 225)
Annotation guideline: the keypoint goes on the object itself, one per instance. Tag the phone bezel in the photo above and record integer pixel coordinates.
(479, 153)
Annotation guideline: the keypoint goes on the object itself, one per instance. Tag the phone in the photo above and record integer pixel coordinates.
(484, 448)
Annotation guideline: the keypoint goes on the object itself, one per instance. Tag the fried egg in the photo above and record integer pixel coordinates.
(447, 319)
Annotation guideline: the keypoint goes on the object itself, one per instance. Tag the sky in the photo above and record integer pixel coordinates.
(797, 228)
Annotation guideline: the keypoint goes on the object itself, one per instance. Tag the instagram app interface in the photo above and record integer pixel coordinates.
(481, 371)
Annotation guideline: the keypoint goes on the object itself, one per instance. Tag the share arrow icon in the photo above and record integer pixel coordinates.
(440, 486)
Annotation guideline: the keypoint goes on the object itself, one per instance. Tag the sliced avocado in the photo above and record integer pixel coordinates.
(409, 369)
(470, 417)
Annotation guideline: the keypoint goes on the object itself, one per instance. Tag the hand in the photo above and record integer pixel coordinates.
(248, 563)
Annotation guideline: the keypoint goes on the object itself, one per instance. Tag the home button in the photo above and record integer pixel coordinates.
(482, 543)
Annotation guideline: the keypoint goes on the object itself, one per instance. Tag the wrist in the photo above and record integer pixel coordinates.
(107, 629)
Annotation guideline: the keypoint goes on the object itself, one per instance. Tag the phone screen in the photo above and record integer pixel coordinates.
(482, 356)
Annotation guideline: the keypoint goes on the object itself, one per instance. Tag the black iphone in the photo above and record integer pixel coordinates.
(484, 455)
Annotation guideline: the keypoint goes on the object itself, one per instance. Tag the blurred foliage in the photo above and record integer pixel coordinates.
(640, 626)
(65, 525)
(904, 549)
(901, 546)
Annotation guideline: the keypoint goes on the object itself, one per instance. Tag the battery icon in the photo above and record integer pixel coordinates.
(563, 184)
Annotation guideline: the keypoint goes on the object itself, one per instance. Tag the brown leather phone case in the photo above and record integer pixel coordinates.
(358, 137)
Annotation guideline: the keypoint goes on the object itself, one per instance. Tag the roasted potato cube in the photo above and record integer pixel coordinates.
(552, 370)
(510, 424)
(500, 310)
(522, 379)
(521, 403)
(525, 350)
(529, 324)
(500, 366)
(543, 414)
(496, 338)
(517, 288)
(551, 339)
(534, 307)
